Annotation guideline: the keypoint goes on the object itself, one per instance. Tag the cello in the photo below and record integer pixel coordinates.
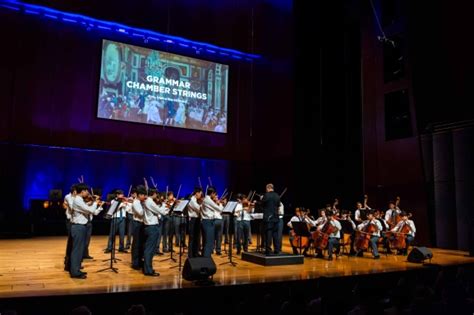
(297, 240)
(398, 239)
(321, 237)
(363, 237)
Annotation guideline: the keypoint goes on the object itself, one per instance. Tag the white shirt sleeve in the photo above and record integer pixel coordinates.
(153, 207)
(357, 215)
(137, 208)
(81, 206)
(194, 205)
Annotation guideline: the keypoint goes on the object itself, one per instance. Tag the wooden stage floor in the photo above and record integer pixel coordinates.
(34, 267)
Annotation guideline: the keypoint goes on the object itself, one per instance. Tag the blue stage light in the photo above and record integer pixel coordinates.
(89, 23)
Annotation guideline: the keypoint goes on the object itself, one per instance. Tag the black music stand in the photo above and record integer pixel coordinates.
(230, 210)
(110, 214)
(178, 212)
(300, 229)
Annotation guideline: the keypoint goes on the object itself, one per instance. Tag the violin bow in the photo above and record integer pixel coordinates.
(283, 192)
(199, 181)
(179, 189)
(129, 191)
(210, 181)
(153, 183)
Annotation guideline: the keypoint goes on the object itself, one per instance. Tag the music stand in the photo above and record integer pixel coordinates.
(178, 211)
(259, 216)
(229, 209)
(300, 229)
(110, 214)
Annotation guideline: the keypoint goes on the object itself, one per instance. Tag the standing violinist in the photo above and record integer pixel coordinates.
(333, 238)
(242, 214)
(209, 211)
(117, 221)
(194, 212)
(405, 226)
(374, 236)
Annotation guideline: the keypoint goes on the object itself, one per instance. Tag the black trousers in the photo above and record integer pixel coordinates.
(271, 233)
(67, 257)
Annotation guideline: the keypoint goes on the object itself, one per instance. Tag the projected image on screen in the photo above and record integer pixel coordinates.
(149, 86)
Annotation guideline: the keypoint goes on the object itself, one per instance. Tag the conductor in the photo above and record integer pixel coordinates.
(270, 204)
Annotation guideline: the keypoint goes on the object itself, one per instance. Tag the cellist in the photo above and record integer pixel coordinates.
(300, 216)
(333, 238)
(391, 214)
(374, 236)
(406, 227)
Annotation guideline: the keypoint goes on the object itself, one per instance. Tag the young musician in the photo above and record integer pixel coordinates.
(68, 201)
(334, 237)
(385, 227)
(194, 213)
(242, 214)
(151, 218)
(409, 225)
(218, 229)
(81, 213)
(117, 222)
(270, 204)
(176, 220)
(138, 243)
(300, 216)
(129, 211)
(371, 220)
(391, 213)
(209, 208)
(361, 212)
(348, 227)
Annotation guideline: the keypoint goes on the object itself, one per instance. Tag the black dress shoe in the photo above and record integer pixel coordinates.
(159, 253)
(88, 257)
(79, 276)
(123, 251)
(154, 274)
(136, 267)
(107, 251)
(218, 253)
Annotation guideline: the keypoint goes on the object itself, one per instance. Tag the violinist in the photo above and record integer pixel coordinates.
(117, 222)
(151, 218)
(176, 220)
(370, 228)
(129, 212)
(138, 243)
(408, 229)
(68, 201)
(166, 222)
(333, 238)
(242, 217)
(209, 211)
(81, 214)
(194, 212)
(300, 216)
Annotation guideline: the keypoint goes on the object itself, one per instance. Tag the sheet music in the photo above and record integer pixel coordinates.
(229, 207)
(180, 206)
(257, 216)
(113, 207)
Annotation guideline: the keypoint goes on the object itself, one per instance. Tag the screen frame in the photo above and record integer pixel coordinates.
(162, 126)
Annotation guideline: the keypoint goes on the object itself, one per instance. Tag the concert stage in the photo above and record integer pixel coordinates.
(32, 270)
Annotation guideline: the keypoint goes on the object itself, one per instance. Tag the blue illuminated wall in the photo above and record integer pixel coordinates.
(41, 168)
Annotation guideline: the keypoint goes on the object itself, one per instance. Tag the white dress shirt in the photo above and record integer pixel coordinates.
(281, 211)
(153, 212)
(241, 214)
(296, 218)
(390, 213)
(410, 223)
(69, 200)
(128, 207)
(137, 210)
(82, 212)
(374, 221)
(209, 209)
(120, 212)
(338, 226)
(194, 208)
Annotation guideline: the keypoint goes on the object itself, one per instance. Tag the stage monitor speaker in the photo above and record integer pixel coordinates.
(419, 254)
(199, 268)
